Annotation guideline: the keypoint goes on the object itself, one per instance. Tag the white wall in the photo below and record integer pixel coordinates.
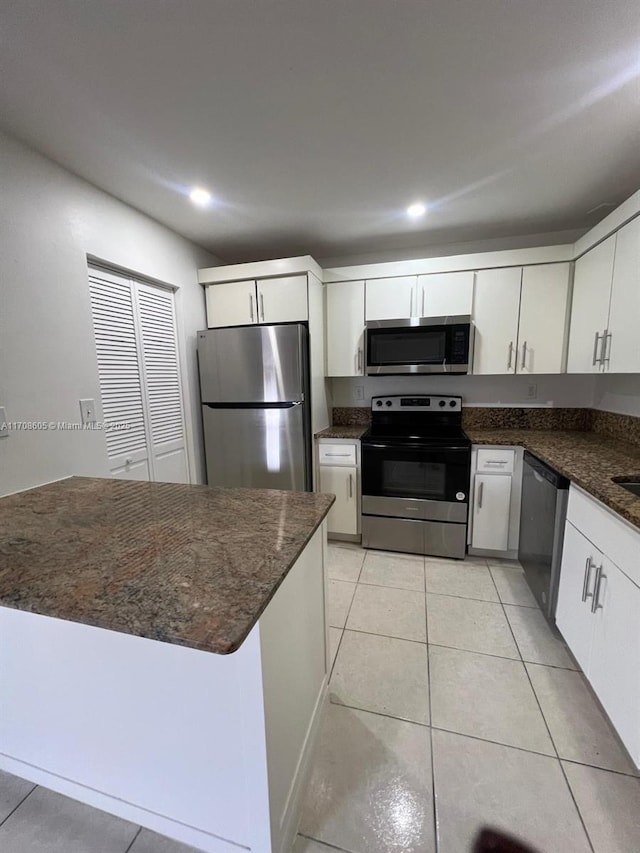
(563, 390)
(50, 221)
(618, 393)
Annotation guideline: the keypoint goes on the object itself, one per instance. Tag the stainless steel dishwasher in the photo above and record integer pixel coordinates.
(542, 518)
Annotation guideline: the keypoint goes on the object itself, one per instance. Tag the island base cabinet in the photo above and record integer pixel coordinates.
(210, 750)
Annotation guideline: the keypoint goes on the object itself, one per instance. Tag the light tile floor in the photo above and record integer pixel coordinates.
(453, 705)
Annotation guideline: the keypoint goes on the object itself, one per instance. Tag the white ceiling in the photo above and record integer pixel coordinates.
(315, 122)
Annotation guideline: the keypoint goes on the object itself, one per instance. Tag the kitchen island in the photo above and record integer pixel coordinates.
(163, 652)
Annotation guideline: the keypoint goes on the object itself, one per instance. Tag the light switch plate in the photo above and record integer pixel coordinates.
(88, 411)
(4, 429)
(359, 392)
(532, 391)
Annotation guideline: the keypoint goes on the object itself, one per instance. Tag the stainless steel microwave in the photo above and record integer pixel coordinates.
(419, 345)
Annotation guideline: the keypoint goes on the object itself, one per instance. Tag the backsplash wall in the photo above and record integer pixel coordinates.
(557, 390)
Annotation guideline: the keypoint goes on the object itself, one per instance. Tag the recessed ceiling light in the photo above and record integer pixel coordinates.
(200, 196)
(416, 209)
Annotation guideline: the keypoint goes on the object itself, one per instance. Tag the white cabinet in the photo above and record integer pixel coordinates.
(496, 313)
(231, 304)
(343, 516)
(615, 656)
(271, 300)
(339, 474)
(491, 503)
(445, 294)
(521, 319)
(345, 328)
(590, 307)
(623, 341)
(543, 318)
(580, 560)
(282, 300)
(598, 609)
(391, 298)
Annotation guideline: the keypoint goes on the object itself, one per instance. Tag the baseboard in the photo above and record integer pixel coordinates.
(120, 808)
(291, 814)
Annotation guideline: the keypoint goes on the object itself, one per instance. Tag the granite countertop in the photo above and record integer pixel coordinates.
(338, 431)
(189, 565)
(588, 459)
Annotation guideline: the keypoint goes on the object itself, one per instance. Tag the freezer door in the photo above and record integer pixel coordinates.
(258, 448)
(253, 364)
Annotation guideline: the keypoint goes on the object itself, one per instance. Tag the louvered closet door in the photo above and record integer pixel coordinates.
(162, 386)
(114, 321)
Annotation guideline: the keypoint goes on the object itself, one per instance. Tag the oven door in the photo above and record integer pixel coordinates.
(428, 482)
(427, 345)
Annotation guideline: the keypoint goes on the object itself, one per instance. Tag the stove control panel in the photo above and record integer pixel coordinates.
(416, 404)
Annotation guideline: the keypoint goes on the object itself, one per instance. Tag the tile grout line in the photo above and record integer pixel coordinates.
(14, 810)
(324, 843)
(436, 835)
(344, 628)
(133, 840)
(546, 724)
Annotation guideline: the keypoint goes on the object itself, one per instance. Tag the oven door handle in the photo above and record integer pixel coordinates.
(427, 449)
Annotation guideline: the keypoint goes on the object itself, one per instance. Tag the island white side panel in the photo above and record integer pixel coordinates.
(293, 640)
(152, 732)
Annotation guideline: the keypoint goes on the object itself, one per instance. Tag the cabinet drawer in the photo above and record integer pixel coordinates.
(337, 454)
(495, 460)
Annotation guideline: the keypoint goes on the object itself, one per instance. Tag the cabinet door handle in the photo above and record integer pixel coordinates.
(596, 360)
(606, 350)
(523, 364)
(422, 312)
(480, 493)
(251, 306)
(587, 575)
(359, 359)
(262, 306)
(595, 604)
(350, 485)
(411, 302)
(510, 355)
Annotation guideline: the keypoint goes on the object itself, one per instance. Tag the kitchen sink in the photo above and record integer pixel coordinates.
(632, 486)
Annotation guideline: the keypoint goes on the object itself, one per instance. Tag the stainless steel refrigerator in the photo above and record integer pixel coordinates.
(254, 387)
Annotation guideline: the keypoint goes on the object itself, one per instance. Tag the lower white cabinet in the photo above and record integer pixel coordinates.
(580, 559)
(339, 474)
(496, 489)
(491, 502)
(598, 610)
(342, 482)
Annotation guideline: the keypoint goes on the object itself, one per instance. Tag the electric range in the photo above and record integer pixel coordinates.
(416, 468)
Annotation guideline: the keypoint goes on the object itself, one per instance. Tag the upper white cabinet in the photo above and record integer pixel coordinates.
(622, 353)
(521, 318)
(496, 313)
(445, 294)
(590, 308)
(345, 328)
(282, 300)
(542, 329)
(436, 295)
(272, 300)
(232, 304)
(391, 298)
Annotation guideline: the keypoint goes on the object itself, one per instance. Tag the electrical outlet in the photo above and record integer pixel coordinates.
(532, 391)
(359, 392)
(88, 411)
